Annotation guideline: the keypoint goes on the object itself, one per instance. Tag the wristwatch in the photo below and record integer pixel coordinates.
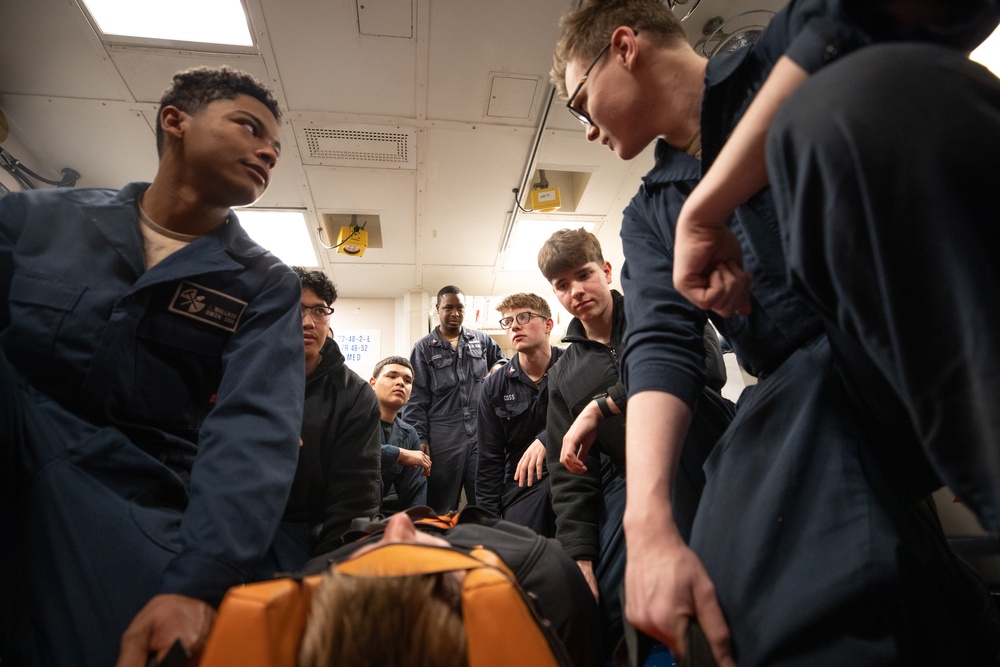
(602, 403)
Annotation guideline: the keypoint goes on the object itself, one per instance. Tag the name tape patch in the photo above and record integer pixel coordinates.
(207, 305)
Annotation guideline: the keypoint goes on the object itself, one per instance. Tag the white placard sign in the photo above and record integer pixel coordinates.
(362, 349)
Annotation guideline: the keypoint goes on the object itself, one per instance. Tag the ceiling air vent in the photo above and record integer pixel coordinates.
(357, 146)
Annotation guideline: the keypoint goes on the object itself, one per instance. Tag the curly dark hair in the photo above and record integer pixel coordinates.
(195, 88)
(318, 282)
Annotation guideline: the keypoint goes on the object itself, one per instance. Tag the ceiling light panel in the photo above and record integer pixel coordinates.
(218, 21)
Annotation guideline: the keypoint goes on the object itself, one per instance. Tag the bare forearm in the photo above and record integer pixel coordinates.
(666, 584)
(656, 427)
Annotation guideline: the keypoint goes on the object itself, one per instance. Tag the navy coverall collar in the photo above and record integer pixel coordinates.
(513, 368)
(228, 247)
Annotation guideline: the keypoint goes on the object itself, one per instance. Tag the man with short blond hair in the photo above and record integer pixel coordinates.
(511, 478)
(844, 269)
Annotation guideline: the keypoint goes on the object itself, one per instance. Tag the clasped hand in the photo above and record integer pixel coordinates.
(708, 266)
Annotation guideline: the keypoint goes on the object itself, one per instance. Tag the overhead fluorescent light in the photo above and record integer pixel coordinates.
(528, 236)
(988, 53)
(285, 233)
(206, 21)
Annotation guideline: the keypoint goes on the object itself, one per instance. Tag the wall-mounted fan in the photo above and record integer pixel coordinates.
(685, 10)
(728, 35)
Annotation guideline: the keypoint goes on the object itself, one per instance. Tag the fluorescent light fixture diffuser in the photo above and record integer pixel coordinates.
(527, 238)
(206, 21)
(285, 233)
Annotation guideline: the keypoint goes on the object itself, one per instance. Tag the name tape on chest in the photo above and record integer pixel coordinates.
(207, 305)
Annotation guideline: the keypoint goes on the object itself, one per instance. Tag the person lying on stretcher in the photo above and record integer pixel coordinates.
(468, 589)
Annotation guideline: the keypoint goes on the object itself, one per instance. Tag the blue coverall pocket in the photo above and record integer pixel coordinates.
(513, 405)
(443, 375)
(185, 357)
(39, 304)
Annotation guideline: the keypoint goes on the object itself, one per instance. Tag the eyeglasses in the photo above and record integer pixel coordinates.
(320, 313)
(577, 113)
(522, 318)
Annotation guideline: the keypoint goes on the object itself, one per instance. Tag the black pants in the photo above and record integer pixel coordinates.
(821, 551)
(885, 169)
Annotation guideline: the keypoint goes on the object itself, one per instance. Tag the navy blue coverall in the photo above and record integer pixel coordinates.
(409, 483)
(443, 408)
(150, 419)
(813, 524)
(512, 413)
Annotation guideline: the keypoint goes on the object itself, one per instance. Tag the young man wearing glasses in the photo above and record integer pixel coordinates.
(813, 543)
(511, 478)
(337, 479)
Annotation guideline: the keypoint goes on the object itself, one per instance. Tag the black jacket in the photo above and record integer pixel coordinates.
(587, 369)
(338, 477)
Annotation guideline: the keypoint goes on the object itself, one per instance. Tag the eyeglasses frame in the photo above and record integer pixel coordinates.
(510, 320)
(325, 317)
(582, 115)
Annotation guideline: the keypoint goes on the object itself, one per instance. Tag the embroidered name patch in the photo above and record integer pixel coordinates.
(207, 305)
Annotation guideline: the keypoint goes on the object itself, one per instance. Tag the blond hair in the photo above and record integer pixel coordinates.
(587, 30)
(390, 621)
(566, 250)
(528, 300)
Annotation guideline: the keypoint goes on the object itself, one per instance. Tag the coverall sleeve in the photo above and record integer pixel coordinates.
(576, 499)
(247, 448)
(412, 441)
(664, 346)
(11, 222)
(492, 448)
(389, 454)
(353, 479)
(416, 411)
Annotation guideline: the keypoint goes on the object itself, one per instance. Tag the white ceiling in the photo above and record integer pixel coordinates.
(465, 85)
